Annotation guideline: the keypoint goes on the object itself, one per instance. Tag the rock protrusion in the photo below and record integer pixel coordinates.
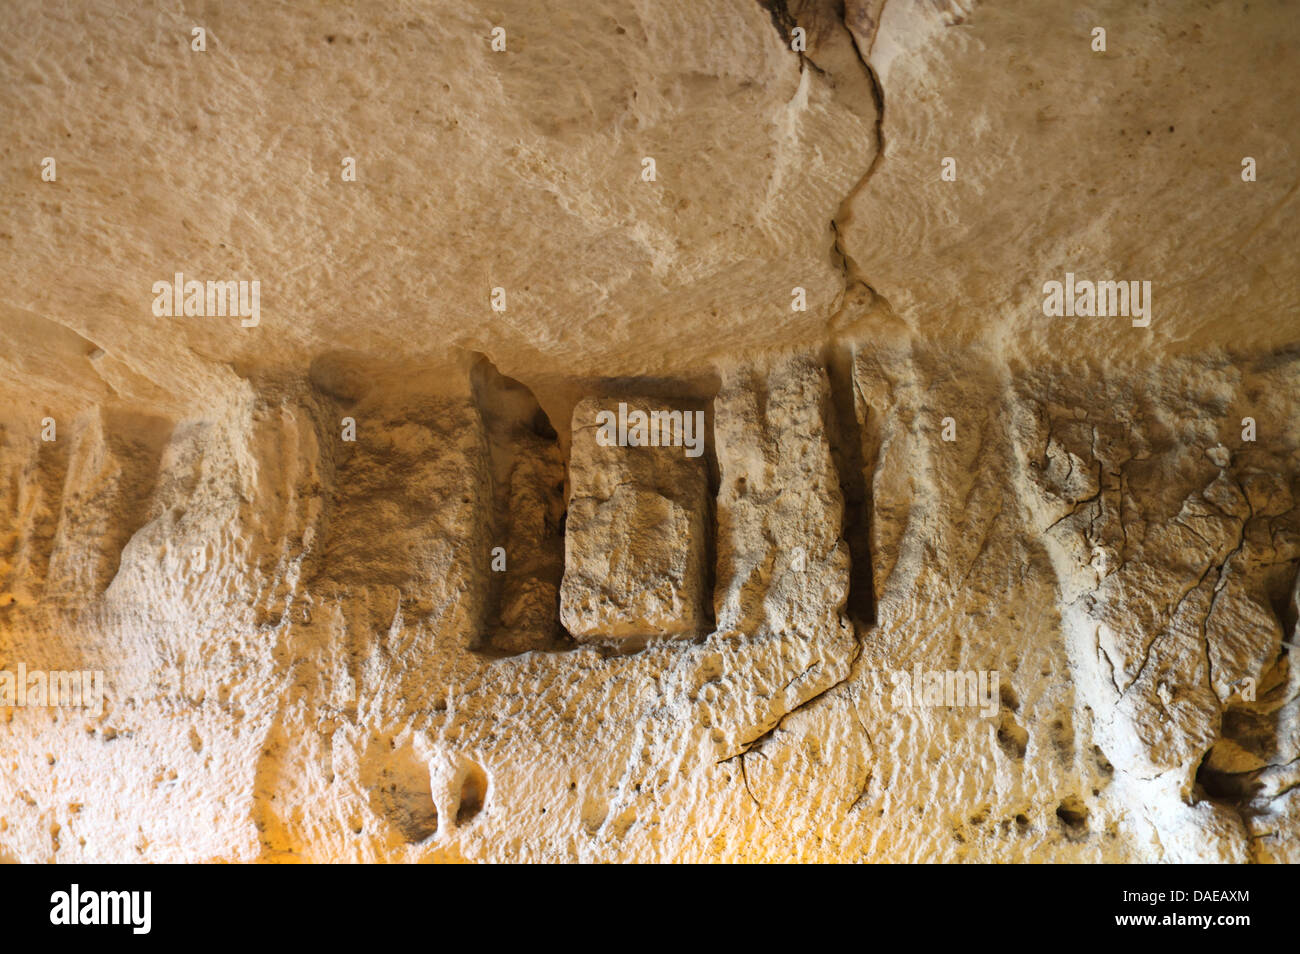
(637, 553)
(782, 564)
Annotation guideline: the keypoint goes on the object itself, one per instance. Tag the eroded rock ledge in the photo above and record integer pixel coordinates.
(320, 617)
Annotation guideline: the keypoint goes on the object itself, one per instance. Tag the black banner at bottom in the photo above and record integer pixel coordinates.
(336, 903)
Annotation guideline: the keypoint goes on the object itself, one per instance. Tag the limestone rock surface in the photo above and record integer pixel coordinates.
(639, 521)
(364, 586)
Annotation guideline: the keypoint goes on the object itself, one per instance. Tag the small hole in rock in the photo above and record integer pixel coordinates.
(1073, 813)
(473, 794)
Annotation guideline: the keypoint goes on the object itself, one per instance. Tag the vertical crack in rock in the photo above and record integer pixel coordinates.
(782, 19)
(819, 17)
(785, 22)
(713, 471)
(845, 430)
(851, 272)
(844, 424)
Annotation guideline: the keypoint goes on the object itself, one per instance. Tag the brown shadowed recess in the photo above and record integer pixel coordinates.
(844, 430)
(528, 517)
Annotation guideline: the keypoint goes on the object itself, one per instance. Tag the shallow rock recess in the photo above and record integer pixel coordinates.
(653, 439)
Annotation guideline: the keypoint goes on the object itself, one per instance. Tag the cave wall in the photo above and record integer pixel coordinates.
(365, 584)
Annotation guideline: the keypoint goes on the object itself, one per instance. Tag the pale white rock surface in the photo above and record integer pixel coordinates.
(782, 559)
(308, 654)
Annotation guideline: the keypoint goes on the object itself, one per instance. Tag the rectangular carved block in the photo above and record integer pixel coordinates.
(637, 543)
(412, 510)
(781, 562)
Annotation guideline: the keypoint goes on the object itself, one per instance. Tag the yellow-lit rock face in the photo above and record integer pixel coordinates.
(952, 577)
